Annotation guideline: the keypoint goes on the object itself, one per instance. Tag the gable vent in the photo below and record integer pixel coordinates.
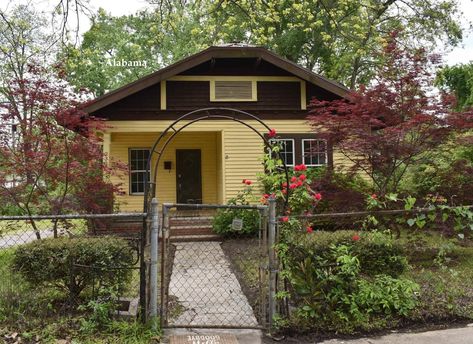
(234, 91)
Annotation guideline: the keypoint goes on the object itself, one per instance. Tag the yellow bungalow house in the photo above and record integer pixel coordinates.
(207, 161)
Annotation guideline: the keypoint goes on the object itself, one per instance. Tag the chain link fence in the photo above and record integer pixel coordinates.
(65, 267)
(446, 220)
(213, 270)
(411, 228)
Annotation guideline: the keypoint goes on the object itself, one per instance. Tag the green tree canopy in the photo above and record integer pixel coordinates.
(459, 80)
(156, 38)
(24, 39)
(339, 39)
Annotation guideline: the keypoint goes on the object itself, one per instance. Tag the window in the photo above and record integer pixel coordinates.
(314, 152)
(287, 150)
(230, 90)
(138, 174)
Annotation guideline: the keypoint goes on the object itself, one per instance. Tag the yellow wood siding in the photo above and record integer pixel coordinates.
(231, 152)
(206, 142)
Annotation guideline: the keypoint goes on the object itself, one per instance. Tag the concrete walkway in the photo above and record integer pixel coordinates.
(450, 336)
(206, 288)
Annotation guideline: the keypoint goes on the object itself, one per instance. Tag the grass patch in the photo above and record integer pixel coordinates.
(443, 267)
(11, 230)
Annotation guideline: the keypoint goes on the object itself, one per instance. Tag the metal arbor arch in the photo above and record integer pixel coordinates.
(150, 186)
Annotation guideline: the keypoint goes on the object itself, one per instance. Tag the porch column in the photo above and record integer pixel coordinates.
(107, 138)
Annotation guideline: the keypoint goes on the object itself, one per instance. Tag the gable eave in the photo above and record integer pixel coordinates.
(206, 55)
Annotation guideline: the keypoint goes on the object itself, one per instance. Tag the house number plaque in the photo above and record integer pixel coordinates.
(204, 339)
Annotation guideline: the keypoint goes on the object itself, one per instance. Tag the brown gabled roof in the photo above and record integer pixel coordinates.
(225, 51)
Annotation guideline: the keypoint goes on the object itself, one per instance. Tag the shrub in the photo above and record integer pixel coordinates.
(377, 252)
(454, 181)
(344, 280)
(342, 192)
(222, 223)
(75, 264)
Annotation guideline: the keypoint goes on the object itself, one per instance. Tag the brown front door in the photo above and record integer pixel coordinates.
(188, 176)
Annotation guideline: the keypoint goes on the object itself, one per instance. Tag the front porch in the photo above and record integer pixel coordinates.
(190, 170)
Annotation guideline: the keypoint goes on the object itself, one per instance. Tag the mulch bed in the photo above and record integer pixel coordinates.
(245, 257)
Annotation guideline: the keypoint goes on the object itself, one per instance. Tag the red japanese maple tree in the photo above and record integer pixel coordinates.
(50, 153)
(385, 128)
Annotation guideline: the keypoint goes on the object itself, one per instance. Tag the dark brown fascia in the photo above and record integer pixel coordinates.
(206, 55)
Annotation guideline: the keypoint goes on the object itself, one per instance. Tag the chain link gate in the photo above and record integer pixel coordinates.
(248, 266)
(212, 281)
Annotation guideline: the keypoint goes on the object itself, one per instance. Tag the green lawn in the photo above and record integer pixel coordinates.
(11, 227)
(443, 267)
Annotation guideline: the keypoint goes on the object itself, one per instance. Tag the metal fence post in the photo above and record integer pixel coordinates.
(153, 298)
(272, 260)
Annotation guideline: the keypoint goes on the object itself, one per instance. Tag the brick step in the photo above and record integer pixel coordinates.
(188, 238)
(190, 221)
(178, 226)
(191, 231)
(116, 226)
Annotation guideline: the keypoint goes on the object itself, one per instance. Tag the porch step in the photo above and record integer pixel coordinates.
(193, 238)
(190, 226)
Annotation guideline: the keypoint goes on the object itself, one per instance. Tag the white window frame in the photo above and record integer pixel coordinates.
(293, 149)
(304, 156)
(135, 171)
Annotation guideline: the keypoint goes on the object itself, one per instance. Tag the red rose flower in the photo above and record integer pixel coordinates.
(284, 185)
(272, 133)
(374, 196)
(299, 183)
(248, 182)
(355, 237)
(300, 167)
(284, 191)
(318, 196)
(309, 229)
(302, 177)
(266, 196)
(293, 179)
(293, 186)
(285, 219)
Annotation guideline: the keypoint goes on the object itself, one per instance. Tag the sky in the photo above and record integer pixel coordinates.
(460, 54)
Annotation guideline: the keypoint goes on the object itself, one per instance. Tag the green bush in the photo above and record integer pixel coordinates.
(222, 223)
(380, 254)
(377, 252)
(74, 264)
(344, 281)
